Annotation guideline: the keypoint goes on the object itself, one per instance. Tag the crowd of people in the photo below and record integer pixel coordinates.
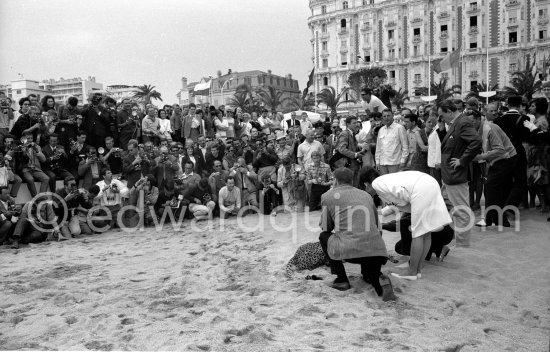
(202, 161)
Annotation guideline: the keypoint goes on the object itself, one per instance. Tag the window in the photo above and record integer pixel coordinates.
(473, 6)
(344, 43)
(324, 46)
(391, 54)
(444, 49)
(416, 31)
(473, 85)
(365, 2)
(513, 20)
(324, 28)
(367, 58)
(417, 77)
(323, 9)
(513, 67)
(473, 45)
(443, 28)
(543, 13)
(325, 63)
(344, 60)
(543, 34)
(345, 5)
(473, 21)
(325, 81)
(392, 74)
(278, 81)
(390, 34)
(343, 23)
(513, 37)
(18, 91)
(415, 50)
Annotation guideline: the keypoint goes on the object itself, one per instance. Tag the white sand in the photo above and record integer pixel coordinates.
(225, 291)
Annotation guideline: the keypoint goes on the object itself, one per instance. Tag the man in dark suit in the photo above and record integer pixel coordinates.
(347, 147)
(460, 145)
(292, 122)
(97, 121)
(511, 123)
(56, 161)
(135, 165)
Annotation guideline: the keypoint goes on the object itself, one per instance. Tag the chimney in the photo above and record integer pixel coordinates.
(268, 71)
(219, 73)
(289, 76)
(184, 83)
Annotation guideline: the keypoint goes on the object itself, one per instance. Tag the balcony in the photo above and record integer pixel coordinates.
(365, 28)
(343, 49)
(472, 10)
(391, 43)
(391, 24)
(473, 75)
(416, 20)
(473, 30)
(542, 21)
(444, 35)
(417, 39)
(366, 49)
(391, 58)
(512, 3)
(343, 32)
(324, 35)
(444, 15)
(513, 44)
(324, 53)
(417, 82)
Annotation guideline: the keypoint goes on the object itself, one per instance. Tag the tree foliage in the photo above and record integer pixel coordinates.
(365, 78)
(331, 99)
(524, 82)
(270, 97)
(146, 93)
(400, 97)
(302, 103)
(482, 87)
(441, 90)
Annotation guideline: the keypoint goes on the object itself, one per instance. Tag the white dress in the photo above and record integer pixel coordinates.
(417, 193)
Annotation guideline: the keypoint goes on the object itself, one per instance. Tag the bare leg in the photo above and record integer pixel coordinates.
(417, 247)
(427, 244)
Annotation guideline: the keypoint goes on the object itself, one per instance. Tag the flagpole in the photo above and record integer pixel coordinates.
(315, 87)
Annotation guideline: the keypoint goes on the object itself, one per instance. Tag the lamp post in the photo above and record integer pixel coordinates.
(223, 85)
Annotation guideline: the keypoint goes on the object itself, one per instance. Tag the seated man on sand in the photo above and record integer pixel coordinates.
(349, 222)
(229, 198)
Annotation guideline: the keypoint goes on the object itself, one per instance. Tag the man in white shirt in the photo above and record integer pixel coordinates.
(392, 145)
(229, 198)
(309, 146)
(371, 103)
(110, 193)
(265, 122)
(305, 124)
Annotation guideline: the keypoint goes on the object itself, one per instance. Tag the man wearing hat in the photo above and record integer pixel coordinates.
(511, 123)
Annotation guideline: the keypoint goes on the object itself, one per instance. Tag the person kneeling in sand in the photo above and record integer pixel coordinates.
(351, 214)
(229, 198)
(416, 193)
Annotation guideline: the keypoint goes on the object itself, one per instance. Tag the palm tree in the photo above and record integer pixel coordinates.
(524, 83)
(248, 93)
(240, 100)
(441, 90)
(302, 103)
(482, 87)
(332, 100)
(146, 93)
(400, 97)
(271, 97)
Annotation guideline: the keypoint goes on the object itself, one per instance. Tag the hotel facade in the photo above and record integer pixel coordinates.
(401, 36)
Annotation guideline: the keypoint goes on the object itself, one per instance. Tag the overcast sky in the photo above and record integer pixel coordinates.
(152, 42)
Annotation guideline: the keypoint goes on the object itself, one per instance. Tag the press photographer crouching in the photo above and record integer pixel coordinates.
(111, 192)
(37, 223)
(78, 203)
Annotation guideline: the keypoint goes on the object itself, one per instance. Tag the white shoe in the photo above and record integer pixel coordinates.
(481, 223)
(405, 277)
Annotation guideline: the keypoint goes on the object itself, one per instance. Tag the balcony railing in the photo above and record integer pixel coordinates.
(473, 30)
(444, 14)
(391, 24)
(417, 39)
(416, 20)
(512, 3)
(324, 35)
(473, 74)
(417, 81)
(366, 28)
(542, 21)
(444, 35)
(324, 53)
(473, 9)
(343, 31)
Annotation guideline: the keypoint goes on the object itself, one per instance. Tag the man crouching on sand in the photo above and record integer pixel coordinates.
(351, 214)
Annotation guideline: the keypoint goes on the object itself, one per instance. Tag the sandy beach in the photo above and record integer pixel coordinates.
(225, 290)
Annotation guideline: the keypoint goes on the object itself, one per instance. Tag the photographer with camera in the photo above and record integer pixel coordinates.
(7, 213)
(128, 122)
(77, 152)
(11, 158)
(151, 127)
(146, 185)
(200, 200)
(112, 157)
(77, 203)
(165, 169)
(32, 169)
(111, 192)
(110, 105)
(56, 161)
(6, 115)
(66, 128)
(96, 121)
(29, 122)
(135, 164)
(247, 181)
(89, 169)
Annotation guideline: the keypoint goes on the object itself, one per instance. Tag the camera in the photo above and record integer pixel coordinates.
(164, 157)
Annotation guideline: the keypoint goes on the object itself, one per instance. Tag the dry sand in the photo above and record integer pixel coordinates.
(224, 290)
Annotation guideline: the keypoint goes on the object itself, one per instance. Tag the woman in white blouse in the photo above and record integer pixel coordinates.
(165, 128)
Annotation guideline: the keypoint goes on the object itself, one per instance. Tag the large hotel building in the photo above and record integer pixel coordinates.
(402, 35)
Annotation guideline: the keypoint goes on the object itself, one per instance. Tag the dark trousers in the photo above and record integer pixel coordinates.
(5, 226)
(476, 183)
(436, 173)
(25, 232)
(315, 196)
(370, 266)
(403, 246)
(497, 186)
(519, 178)
(57, 174)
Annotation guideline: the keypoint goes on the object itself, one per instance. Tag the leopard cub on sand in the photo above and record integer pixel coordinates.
(308, 256)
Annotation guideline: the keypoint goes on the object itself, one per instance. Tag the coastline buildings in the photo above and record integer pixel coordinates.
(121, 91)
(400, 35)
(220, 90)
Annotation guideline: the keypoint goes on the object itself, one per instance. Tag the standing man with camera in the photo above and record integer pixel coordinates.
(96, 121)
(66, 128)
(165, 168)
(135, 165)
(56, 161)
(90, 169)
(128, 122)
(32, 170)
